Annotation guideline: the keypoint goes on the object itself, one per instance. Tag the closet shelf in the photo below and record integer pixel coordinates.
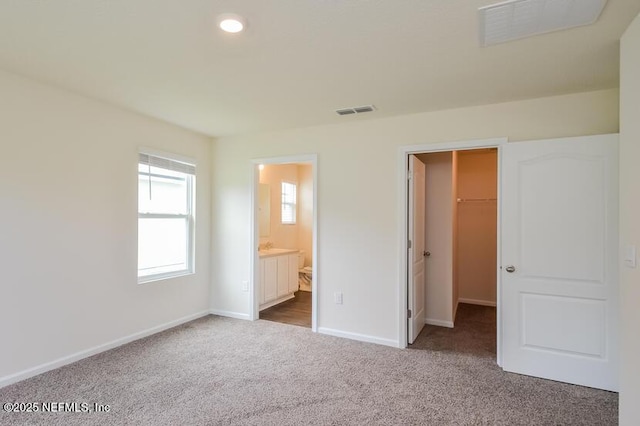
(475, 200)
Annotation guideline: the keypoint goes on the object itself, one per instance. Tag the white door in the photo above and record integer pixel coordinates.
(416, 291)
(559, 280)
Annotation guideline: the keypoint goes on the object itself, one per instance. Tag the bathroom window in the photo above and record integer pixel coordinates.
(166, 203)
(288, 211)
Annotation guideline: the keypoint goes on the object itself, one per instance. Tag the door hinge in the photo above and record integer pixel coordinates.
(409, 313)
(409, 175)
(409, 244)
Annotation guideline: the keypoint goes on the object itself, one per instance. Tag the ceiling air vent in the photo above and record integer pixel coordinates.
(356, 110)
(515, 19)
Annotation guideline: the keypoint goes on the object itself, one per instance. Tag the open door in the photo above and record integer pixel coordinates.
(416, 253)
(559, 259)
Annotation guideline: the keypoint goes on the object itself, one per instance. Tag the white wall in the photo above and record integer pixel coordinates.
(629, 222)
(476, 247)
(358, 218)
(68, 223)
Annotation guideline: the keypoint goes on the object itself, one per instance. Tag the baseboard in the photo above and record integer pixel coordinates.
(439, 323)
(359, 337)
(60, 362)
(477, 302)
(236, 315)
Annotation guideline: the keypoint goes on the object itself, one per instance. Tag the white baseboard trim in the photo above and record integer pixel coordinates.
(60, 362)
(477, 302)
(236, 315)
(439, 323)
(359, 337)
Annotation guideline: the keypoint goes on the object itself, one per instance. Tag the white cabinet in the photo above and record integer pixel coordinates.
(270, 278)
(278, 277)
(283, 275)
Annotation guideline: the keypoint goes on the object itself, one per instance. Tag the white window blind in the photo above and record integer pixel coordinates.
(167, 164)
(288, 211)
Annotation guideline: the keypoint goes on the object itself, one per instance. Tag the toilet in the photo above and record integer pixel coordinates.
(304, 273)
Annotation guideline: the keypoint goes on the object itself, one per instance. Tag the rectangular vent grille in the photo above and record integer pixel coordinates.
(355, 110)
(516, 19)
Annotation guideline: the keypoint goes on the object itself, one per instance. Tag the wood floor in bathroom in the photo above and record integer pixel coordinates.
(296, 311)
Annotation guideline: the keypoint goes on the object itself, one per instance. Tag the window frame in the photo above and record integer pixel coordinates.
(188, 217)
(294, 204)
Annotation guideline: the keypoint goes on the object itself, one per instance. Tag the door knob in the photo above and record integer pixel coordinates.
(510, 268)
(426, 253)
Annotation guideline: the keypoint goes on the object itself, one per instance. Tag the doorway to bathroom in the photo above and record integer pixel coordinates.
(284, 223)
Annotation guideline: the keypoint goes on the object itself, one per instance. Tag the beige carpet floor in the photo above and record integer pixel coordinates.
(220, 371)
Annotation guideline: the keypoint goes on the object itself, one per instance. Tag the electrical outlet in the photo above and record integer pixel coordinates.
(245, 285)
(338, 297)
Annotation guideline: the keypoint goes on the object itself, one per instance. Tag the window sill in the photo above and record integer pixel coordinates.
(163, 277)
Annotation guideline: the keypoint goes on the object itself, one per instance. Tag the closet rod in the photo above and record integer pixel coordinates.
(465, 200)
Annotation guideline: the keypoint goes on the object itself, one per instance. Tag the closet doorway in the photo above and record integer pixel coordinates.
(460, 231)
(284, 285)
(458, 249)
(557, 251)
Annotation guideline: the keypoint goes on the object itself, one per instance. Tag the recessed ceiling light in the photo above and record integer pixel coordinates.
(231, 23)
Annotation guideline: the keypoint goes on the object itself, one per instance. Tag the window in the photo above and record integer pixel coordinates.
(166, 204)
(288, 214)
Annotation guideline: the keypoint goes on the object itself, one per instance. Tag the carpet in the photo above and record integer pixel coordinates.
(222, 371)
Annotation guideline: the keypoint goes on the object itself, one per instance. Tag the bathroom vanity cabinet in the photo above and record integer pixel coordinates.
(278, 276)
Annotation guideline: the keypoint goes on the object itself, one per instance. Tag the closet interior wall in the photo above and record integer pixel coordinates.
(475, 256)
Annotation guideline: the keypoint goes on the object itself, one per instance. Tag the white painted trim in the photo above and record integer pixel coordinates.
(277, 301)
(439, 323)
(453, 146)
(254, 303)
(403, 153)
(60, 362)
(477, 302)
(499, 339)
(403, 234)
(314, 248)
(230, 314)
(359, 337)
(254, 258)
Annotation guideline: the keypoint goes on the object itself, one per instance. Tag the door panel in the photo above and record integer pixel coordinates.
(270, 279)
(283, 275)
(541, 313)
(416, 291)
(559, 232)
(574, 208)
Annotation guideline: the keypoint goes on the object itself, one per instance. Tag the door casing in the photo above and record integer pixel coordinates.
(254, 303)
(403, 237)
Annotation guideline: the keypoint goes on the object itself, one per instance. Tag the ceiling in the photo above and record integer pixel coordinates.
(298, 60)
